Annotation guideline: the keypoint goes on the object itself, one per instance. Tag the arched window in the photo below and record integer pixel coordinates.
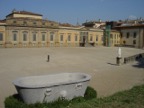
(51, 36)
(43, 37)
(15, 35)
(25, 35)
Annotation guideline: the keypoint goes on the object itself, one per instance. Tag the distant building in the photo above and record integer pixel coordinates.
(113, 24)
(132, 35)
(95, 24)
(112, 37)
(27, 29)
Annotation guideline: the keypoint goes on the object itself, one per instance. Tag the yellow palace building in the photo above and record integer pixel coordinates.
(27, 29)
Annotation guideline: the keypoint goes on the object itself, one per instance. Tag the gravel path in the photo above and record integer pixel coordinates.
(99, 62)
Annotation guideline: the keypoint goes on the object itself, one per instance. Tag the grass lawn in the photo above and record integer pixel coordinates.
(133, 98)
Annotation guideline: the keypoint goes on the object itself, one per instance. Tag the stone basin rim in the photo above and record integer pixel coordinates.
(17, 83)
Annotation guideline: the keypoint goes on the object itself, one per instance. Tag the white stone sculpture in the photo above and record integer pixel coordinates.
(119, 52)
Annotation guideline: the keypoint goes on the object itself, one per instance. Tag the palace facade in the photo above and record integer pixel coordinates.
(27, 29)
(132, 35)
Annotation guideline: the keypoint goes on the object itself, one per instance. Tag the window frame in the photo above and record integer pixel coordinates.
(51, 36)
(34, 37)
(34, 23)
(43, 37)
(127, 35)
(91, 38)
(1, 36)
(43, 23)
(134, 42)
(14, 36)
(76, 37)
(69, 37)
(134, 34)
(24, 22)
(24, 36)
(97, 38)
(14, 22)
(61, 37)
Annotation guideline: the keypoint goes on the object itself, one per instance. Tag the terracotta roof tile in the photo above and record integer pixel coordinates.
(24, 12)
(66, 25)
(2, 21)
(129, 26)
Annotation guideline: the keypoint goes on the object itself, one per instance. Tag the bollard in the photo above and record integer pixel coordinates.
(125, 60)
(118, 61)
(48, 58)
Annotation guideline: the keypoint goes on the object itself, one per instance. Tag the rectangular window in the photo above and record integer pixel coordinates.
(34, 23)
(1, 37)
(51, 36)
(14, 37)
(69, 37)
(102, 38)
(80, 38)
(43, 37)
(91, 38)
(128, 34)
(76, 38)
(34, 37)
(14, 22)
(96, 38)
(134, 35)
(122, 34)
(24, 37)
(43, 23)
(61, 37)
(24, 22)
(124, 42)
(134, 42)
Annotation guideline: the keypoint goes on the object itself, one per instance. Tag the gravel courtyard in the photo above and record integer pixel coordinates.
(99, 62)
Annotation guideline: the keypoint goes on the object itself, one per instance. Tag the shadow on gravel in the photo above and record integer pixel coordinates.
(112, 64)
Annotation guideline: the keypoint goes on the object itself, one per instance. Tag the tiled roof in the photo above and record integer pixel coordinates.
(24, 12)
(2, 21)
(66, 25)
(44, 20)
(130, 26)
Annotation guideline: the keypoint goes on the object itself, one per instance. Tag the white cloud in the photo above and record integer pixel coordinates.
(132, 17)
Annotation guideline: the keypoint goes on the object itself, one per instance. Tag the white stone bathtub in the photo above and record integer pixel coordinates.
(48, 88)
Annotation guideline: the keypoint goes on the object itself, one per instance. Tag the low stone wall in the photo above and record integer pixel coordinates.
(133, 58)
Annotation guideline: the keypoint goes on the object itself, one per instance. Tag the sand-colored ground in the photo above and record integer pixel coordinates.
(99, 62)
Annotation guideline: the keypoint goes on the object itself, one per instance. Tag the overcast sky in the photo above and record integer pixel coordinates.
(71, 11)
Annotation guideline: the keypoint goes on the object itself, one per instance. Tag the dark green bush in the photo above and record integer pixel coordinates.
(78, 99)
(58, 103)
(12, 102)
(90, 93)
